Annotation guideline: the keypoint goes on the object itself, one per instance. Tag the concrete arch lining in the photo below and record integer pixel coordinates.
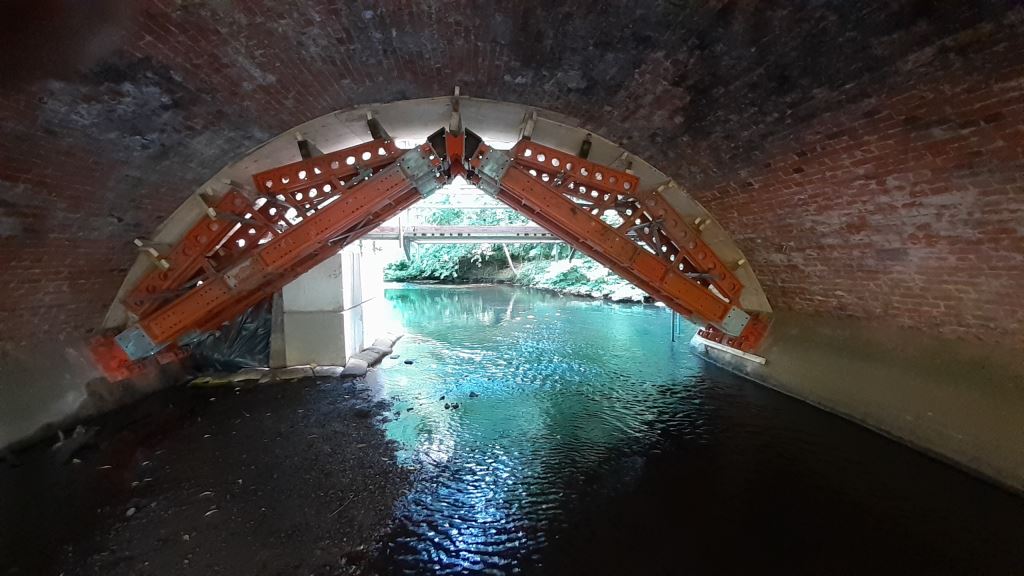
(409, 122)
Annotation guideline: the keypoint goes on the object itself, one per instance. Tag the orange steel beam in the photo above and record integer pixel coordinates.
(114, 361)
(305, 264)
(647, 212)
(612, 248)
(602, 212)
(222, 295)
(235, 224)
(184, 261)
(299, 184)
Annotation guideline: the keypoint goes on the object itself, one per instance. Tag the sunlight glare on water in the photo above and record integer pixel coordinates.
(546, 387)
(585, 441)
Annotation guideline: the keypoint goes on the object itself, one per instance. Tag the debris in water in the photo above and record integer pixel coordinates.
(352, 497)
(67, 447)
(10, 457)
(353, 556)
(409, 409)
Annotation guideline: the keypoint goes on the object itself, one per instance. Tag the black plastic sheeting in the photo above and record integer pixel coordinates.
(242, 343)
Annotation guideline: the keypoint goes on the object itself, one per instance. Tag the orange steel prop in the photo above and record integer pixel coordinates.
(286, 257)
(647, 242)
(185, 260)
(349, 199)
(244, 250)
(646, 212)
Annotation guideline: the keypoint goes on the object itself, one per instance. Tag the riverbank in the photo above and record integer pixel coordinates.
(293, 477)
(579, 276)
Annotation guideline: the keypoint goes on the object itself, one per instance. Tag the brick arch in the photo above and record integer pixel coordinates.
(798, 126)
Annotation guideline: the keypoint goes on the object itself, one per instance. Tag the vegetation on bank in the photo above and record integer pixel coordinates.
(536, 268)
(548, 266)
(580, 276)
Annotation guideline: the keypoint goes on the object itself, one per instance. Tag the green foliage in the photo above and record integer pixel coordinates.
(582, 277)
(446, 217)
(531, 272)
(439, 262)
(452, 263)
(568, 279)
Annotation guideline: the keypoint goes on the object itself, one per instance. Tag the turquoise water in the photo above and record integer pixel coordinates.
(586, 441)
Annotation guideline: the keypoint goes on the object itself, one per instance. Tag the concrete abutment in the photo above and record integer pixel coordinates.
(961, 402)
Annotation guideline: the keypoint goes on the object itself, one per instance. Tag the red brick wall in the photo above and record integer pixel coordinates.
(867, 156)
(907, 207)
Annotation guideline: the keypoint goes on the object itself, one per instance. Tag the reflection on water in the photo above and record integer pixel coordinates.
(586, 442)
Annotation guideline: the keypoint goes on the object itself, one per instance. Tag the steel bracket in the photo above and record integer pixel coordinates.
(493, 164)
(420, 165)
(735, 321)
(136, 343)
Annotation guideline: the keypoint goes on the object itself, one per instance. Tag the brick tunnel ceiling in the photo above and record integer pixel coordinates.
(867, 156)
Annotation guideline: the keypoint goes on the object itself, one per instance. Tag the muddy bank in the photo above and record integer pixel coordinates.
(630, 297)
(287, 478)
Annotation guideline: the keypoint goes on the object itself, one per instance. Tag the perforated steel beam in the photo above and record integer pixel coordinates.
(604, 213)
(185, 260)
(221, 295)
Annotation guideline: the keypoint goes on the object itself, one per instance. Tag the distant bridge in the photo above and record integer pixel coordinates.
(463, 234)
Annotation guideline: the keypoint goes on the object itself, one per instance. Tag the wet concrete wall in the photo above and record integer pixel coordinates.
(33, 393)
(322, 313)
(39, 398)
(960, 402)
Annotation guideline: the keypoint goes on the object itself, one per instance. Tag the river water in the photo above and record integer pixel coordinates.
(586, 442)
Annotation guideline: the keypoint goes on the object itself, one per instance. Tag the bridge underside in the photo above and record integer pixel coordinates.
(464, 234)
(262, 221)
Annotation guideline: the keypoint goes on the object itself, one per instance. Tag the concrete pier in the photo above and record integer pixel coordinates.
(320, 316)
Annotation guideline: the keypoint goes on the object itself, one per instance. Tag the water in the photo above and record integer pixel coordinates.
(586, 442)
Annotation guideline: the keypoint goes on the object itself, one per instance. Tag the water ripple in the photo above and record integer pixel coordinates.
(581, 428)
(553, 392)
